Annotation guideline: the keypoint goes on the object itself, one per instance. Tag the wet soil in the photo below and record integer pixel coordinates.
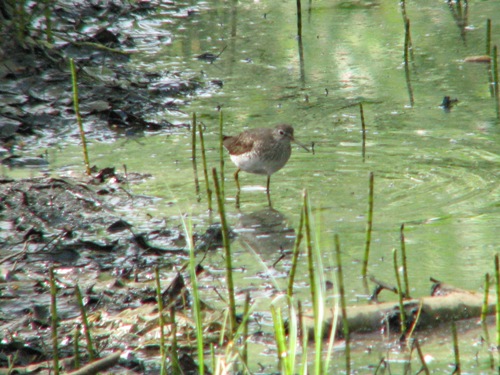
(79, 226)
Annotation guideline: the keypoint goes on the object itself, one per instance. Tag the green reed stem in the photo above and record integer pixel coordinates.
(497, 313)
(315, 291)
(205, 171)
(456, 351)
(76, 346)
(295, 257)
(280, 337)
(415, 321)
(246, 313)
(363, 131)
(343, 306)
(369, 226)
(421, 356)
(402, 312)
(48, 22)
(407, 46)
(174, 351)
(161, 322)
(299, 19)
(488, 36)
(196, 307)
(403, 259)
(495, 81)
(221, 151)
(54, 319)
(85, 323)
(76, 106)
(227, 252)
(484, 314)
(193, 157)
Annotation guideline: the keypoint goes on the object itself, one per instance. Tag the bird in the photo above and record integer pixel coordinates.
(261, 151)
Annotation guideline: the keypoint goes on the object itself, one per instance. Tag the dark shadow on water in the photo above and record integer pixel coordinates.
(266, 231)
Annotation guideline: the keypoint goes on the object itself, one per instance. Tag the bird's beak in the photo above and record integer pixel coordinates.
(301, 145)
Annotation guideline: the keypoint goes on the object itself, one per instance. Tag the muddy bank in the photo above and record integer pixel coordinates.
(81, 226)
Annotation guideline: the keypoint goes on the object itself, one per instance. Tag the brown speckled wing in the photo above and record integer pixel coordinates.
(238, 145)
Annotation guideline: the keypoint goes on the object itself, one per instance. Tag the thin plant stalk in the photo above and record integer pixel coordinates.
(280, 337)
(85, 323)
(193, 157)
(174, 351)
(343, 306)
(53, 315)
(76, 346)
(76, 105)
(484, 314)
(196, 302)
(407, 46)
(456, 351)
(403, 260)
(400, 293)
(497, 311)
(495, 81)
(415, 321)
(369, 226)
(227, 251)
(363, 131)
(488, 36)
(205, 171)
(295, 257)
(48, 21)
(161, 322)
(221, 151)
(315, 287)
(422, 358)
(245, 330)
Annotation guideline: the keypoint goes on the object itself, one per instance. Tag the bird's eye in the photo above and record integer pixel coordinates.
(282, 132)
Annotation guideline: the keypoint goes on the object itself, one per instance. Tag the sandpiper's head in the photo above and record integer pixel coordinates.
(283, 132)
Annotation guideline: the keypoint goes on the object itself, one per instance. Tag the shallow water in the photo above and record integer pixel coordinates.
(435, 171)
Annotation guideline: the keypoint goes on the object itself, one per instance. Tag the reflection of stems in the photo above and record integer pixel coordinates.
(407, 64)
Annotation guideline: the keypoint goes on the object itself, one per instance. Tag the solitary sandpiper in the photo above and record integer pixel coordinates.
(261, 151)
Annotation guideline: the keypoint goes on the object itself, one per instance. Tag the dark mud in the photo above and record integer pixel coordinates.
(81, 227)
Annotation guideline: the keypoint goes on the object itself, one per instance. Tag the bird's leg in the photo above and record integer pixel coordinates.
(267, 190)
(237, 188)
